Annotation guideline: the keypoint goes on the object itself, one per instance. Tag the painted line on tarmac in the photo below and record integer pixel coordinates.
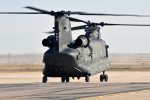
(114, 94)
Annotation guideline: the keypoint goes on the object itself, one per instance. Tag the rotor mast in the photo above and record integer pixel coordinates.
(56, 30)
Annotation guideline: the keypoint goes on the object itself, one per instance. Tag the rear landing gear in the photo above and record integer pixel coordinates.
(65, 79)
(44, 80)
(103, 77)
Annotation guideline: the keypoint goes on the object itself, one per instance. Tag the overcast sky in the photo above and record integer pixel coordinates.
(21, 34)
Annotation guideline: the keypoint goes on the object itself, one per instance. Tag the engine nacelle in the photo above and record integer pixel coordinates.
(82, 41)
(49, 41)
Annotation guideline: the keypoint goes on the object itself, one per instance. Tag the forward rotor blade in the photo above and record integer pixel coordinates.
(110, 24)
(79, 27)
(105, 14)
(41, 10)
(20, 13)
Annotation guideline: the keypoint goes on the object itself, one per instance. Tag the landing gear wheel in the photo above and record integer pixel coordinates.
(44, 80)
(106, 78)
(64, 79)
(103, 77)
(67, 79)
(87, 78)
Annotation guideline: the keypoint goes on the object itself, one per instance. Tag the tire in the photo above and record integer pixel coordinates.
(106, 78)
(44, 80)
(63, 79)
(87, 78)
(67, 79)
(101, 78)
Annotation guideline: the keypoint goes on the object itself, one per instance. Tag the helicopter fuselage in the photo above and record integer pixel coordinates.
(77, 62)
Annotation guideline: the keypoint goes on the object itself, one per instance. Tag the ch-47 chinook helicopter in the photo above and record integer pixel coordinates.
(83, 57)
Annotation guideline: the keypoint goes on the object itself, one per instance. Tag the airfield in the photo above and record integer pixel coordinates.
(129, 79)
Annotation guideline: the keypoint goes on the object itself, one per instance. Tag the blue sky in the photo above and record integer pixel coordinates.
(21, 34)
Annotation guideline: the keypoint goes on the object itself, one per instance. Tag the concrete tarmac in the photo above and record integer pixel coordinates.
(118, 87)
(65, 91)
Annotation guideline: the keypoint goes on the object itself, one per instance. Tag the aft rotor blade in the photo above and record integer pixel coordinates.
(78, 27)
(77, 20)
(110, 24)
(20, 13)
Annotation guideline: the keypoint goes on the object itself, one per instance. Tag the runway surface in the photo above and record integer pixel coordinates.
(121, 86)
(65, 91)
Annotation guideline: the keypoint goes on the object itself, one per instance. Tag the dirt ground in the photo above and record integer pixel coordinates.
(114, 76)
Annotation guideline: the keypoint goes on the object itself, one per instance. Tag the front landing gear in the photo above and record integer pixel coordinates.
(44, 80)
(87, 78)
(103, 77)
(63, 79)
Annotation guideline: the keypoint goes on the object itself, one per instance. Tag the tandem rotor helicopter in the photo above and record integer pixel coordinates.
(83, 57)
